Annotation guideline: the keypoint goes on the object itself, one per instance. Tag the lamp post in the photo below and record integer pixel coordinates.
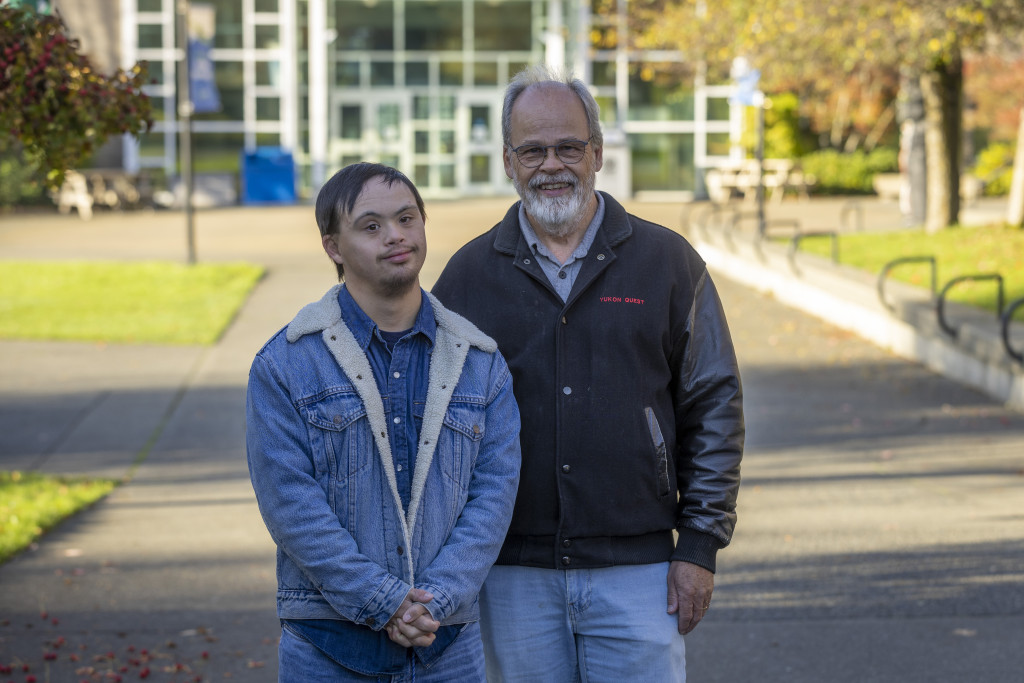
(185, 111)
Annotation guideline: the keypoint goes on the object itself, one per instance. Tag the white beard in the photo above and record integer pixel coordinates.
(557, 217)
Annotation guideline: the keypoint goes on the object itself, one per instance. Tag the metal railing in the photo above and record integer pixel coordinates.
(887, 268)
(940, 304)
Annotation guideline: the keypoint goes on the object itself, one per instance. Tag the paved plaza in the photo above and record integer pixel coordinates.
(881, 515)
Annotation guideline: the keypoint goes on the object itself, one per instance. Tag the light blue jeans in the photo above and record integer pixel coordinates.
(587, 625)
(462, 661)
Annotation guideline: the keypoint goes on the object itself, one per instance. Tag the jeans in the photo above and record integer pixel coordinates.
(586, 625)
(463, 660)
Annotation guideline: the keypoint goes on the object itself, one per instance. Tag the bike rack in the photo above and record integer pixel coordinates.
(1007, 319)
(940, 304)
(896, 262)
(794, 244)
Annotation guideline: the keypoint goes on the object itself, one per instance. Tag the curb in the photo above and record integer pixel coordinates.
(849, 299)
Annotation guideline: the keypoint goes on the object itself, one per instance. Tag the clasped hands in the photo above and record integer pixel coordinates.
(412, 625)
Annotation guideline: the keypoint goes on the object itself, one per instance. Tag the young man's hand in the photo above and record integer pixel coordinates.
(412, 625)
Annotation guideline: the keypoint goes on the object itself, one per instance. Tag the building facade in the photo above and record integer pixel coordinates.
(418, 84)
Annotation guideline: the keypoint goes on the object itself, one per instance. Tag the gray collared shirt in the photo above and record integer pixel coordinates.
(561, 275)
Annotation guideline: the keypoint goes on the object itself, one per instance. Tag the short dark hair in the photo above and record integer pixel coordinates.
(339, 194)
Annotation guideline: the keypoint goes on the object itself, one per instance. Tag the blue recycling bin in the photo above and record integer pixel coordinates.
(268, 176)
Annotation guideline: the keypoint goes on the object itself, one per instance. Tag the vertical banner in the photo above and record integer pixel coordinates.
(202, 79)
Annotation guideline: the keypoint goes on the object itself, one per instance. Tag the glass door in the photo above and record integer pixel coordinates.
(374, 128)
(480, 169)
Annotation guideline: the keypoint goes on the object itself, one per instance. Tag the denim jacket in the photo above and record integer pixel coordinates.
(324, 478)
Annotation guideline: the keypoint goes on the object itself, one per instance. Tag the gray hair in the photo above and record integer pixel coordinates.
(541, 73)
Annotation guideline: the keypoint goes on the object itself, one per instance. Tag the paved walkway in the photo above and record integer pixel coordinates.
(880, 537)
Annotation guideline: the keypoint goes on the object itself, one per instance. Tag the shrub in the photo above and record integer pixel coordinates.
(995, 168)
(848, 173)
(20, 179)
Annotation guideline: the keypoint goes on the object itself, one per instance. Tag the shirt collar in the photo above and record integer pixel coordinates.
(364, 329)
(537, 247)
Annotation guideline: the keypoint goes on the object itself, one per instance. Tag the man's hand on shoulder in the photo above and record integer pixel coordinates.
(689, 593)
(412, 625)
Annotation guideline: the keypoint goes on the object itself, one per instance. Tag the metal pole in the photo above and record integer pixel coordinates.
(185, 126)
(761, 225)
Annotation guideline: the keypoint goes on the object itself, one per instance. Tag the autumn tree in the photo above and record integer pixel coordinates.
(53, 102)
(808, 45)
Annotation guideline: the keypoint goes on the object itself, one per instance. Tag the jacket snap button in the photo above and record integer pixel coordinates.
(401, 550)
(337, 419)
(476, 429)
(566, 543)
(600, 257)
(526, 261)
(371, 621)
(566, 561)
(566, 390)
(566, 468)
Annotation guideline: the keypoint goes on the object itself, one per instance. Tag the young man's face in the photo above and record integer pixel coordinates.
(381, 242)
(555, 194)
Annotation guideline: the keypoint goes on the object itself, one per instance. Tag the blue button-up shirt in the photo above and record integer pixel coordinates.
(401, 367)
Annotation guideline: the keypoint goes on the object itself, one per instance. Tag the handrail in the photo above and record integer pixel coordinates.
(794, 243)
(792, 222)
(852, 206)
(895, 262)
(1007, 320)
(940, 304)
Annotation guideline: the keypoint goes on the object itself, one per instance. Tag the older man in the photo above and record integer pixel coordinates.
(632, 425)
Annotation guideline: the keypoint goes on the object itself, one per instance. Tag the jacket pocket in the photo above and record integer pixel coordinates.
(660, 452)
(462, 431)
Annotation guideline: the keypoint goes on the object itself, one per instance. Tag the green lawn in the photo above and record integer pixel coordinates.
(31, 503)
(148, 302)
(957, 251)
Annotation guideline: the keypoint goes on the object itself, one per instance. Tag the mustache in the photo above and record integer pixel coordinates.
(563, 177)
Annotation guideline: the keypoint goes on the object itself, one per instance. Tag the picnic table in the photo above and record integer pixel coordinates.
(729, 180)
(114, 188)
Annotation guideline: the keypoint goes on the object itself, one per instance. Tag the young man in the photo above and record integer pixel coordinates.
(631, 407)
(383, 446)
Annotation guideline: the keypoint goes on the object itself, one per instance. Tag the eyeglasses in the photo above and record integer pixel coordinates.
(570, 152)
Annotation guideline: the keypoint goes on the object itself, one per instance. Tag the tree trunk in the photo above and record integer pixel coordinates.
(1015, 213)
(942, 87)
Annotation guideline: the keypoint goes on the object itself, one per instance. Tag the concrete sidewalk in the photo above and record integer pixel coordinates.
(880, 534)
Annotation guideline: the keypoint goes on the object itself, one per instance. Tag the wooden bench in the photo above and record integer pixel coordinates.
(113, 188)
(780, 175)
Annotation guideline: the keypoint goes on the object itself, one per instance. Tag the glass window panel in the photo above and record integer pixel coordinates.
(446, 107)
(502, 26)
(268, 73)
(391, 160)
(351, 122)
(349, 159)
(347, 73)
(451, 73)
(480, 123)
(658, 93)
(421, 173)
(609, 112)
(267, 36)
(417, 73)
(604, 37)
(421, 107)
(662, 161)
(268, 108)
(229, 23)
(603, 73)
(268, 139)
(718, 109)
(217, 152)
(480, 168)
(422, 139)
(389, 122)
(382, 73)
(485, 73)
(447, 173)
(365, 26)
(155, 73)
(151, 35)
(434, 25)
(149, 5)
(157, 104)
(515, 67)
(718, 144)
(266, 5)
(151, 145)
(446, 142)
